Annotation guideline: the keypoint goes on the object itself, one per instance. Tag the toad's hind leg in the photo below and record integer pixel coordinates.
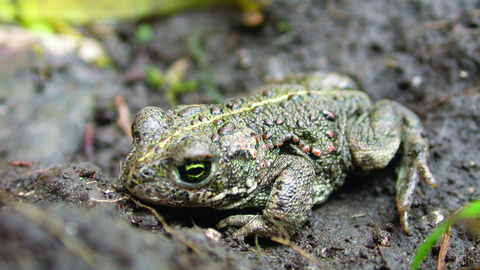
(375, 137)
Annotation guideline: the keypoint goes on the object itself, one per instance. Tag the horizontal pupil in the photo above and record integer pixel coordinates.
(195, 172)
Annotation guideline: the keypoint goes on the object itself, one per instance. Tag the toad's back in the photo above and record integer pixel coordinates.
(292, 119)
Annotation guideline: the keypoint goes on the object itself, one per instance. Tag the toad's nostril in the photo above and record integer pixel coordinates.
(147, 174)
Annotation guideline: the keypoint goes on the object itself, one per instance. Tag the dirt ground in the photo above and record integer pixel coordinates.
(62, 207)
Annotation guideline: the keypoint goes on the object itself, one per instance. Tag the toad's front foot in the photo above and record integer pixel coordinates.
(254, 225)
(288, 204)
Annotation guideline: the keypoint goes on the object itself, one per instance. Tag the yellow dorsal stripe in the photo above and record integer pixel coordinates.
(245, 109)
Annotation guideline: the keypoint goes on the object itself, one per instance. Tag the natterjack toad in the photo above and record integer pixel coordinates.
(284, 150)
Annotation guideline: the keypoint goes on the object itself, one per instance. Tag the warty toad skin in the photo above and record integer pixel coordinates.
(283, 150)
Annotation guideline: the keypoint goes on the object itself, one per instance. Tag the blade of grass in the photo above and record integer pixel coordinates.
(423, 250)
(468, 212)
(471, 210)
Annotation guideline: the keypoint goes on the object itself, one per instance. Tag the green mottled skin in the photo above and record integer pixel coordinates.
(283, 150)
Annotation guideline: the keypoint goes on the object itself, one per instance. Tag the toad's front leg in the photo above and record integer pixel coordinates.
(289, 202)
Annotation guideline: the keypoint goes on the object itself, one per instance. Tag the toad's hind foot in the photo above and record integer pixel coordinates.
(413, 167)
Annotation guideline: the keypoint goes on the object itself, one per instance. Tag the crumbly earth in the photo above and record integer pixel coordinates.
(56, 109)
(283, 150)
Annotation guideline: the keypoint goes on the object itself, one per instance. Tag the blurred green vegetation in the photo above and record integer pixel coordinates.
(197, 52)
(85, 11)
(171, 82)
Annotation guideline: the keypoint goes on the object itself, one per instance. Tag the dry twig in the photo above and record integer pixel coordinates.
(111, 201)
(446, 98)
(444, 248)
(170, 230)
(300, 251)
(21, 163)
(123, 120)
(88, 143)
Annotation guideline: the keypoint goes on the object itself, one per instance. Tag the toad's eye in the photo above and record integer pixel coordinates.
(195, 172)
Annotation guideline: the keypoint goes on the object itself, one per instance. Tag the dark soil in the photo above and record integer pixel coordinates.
(424, 54)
